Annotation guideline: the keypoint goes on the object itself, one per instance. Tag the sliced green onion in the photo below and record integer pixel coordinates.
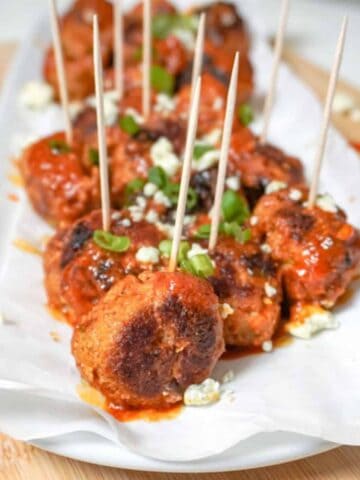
(172, 190)
(234, 207)
(245, 114)
(165, 248)
(59, 146)
(158, 177)
(184, 248)
(202, 265)
(94, 156)
(233, 229)
(128, 125)
(166, 245)
(161, 80)
(134, 186)
(201, 149)
(111, 242)
(164, 23)
(203, 231)
(192, 199)
(187, 266)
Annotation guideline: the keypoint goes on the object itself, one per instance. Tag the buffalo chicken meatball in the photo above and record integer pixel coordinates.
(150, 338)
(318, 249)
(246, 280)
(78, 271)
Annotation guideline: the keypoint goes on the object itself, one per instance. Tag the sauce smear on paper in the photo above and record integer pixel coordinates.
(26, 247)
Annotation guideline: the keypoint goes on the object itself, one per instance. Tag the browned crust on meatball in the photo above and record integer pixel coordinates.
(149, 338)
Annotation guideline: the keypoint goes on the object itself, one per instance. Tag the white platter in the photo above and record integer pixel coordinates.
(260, 450)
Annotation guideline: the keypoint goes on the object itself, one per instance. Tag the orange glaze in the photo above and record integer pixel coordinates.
(16, 179)
(26, 247)
(56, 314)
(93, 397)
(13, 197)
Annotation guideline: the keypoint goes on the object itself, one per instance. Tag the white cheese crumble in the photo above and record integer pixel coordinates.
(115, 215)
(265, 248)
(149, 189)
(162, 155)
(186, 37)
(326, 203)
(233, 182)
(147, 255)
(139, 119)
(213, 137)
(267, 346)
(161, 199)
(141, 202)
(204, 394)
(228, 377)
(152, 216)
(295, 194)
(270, 291)
(164, 103)
(126, 222)
(254, 220)
(111, 109)
(207, 160)
(226, 310)
(218, 103)
(314, 323)
(136, 213)
(166, 228)
(75, 108)
(275, 186)
(327, 243)
(196, 249)
(36, 95)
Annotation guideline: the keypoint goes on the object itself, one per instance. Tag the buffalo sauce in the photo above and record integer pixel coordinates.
(125, 414)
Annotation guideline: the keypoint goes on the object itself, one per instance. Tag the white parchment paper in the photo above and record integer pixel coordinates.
(310, 387)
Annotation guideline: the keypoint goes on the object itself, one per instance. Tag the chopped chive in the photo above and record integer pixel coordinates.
(201, 149)
(202, 265)
(192, 199)
(59, 146)
(94, 156)
(234, 207)
(134, 186)
(128, 125)
(161, 80)
(158, 177)
(203, 231)
(233, 229)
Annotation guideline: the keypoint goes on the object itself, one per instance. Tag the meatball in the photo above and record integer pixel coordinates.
(318, 249)
(150, 338)
(55, 180)
(248, 281)
(78, 272)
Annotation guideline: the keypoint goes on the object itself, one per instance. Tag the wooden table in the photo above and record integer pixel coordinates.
(19, 461)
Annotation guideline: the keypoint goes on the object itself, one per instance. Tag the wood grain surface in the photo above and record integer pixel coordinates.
(19, 461)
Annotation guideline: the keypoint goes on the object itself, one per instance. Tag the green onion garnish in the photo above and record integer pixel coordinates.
(203, 231)
(94, 156)
(202, 265)
(192, 199)
(134, 186)
(163, 24)
(158, 177)
(128, 125)
(187, 266)
(59, 146)
(201, 149)
(234, 207)
(233, 229)
(111, 242)
(245, 114)
(166, 245)
(161, 80)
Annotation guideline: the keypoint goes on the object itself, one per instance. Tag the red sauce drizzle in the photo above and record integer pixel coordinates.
(149, 414)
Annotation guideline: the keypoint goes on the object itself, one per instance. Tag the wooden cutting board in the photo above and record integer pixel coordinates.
(19, 461)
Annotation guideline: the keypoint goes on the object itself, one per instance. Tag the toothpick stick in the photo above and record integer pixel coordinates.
(185, 176)
(60, 70)
(118, 48)
(224, 152)
(147, 47)
(275, 68)
(103, 159)
(327, 112)
(198, 52)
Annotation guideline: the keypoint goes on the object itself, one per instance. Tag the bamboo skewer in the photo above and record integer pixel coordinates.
(60, 70)
(334, 75)
(118, 48)
(279, 42)
(103, 159)
(224, 152)
(185, 176)
(198, 52)
(147, 54)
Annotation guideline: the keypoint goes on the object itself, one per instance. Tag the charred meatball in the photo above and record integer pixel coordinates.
(150, 338)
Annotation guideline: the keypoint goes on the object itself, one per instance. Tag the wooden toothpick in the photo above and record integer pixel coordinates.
(147, 53)
(185, 176)
(103, 159)
(198, 53)
(327, 112)
(224, 152)
(279, 42)
(60, 70)
(118, 48)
